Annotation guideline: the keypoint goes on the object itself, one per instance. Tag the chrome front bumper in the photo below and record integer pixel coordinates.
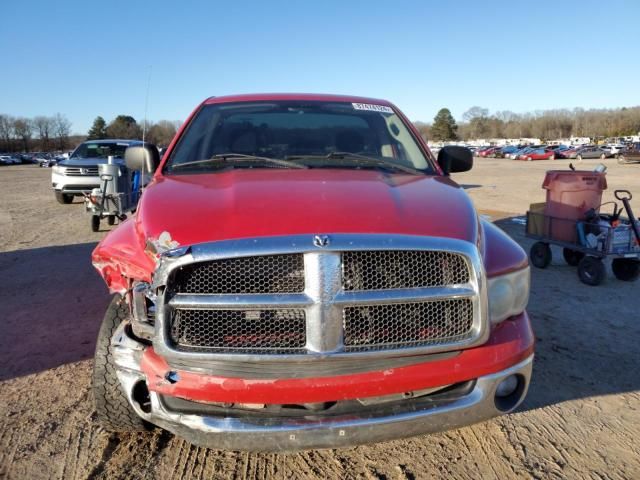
(289, 434)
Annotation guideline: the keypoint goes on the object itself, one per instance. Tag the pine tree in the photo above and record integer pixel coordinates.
(444, 126)
(98, 130)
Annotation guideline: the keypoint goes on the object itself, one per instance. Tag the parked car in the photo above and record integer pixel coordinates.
(487, 152)
(630, 154)
(520, 151)
(589, 152)
(78, 174)
(613, 149)
(252, 313)
(504, 151)
(9, 160)
(538, 154)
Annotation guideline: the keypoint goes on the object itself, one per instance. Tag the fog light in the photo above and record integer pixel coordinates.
(507, 386)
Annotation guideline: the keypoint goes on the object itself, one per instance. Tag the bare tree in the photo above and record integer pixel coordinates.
(23, 130)
(44, 127)
(61, 128)
(6, 131)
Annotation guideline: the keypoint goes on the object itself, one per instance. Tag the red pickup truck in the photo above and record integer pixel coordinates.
(302, 273)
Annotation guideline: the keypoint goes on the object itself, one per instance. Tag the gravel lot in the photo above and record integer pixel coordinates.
(580, 420)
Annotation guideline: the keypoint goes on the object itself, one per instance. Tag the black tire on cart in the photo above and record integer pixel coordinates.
(95, 223)
(111, 219)
(113, 409)
(64, 198)
(540, 254)
(591, 271)
(572, 257)
(626, 269)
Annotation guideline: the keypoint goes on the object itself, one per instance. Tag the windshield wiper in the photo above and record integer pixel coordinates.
(360, 159)
(229, 157)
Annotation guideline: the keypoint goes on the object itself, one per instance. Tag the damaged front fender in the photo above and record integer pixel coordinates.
(122, 256)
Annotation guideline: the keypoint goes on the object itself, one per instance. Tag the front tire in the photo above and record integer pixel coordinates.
(95, 223)
(112, 406)
(603, 156)
(626, 269)
(64, 198)
(591, 271)
(540, 255)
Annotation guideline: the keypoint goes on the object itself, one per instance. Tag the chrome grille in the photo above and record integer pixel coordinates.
(264, 274)
(387, 269)
(255, 331)
(378, 327)
(257, 299)
(81, 171)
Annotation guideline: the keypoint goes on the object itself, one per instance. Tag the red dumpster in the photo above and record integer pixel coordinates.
(569, 195)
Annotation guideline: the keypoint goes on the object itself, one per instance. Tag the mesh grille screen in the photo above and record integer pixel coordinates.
(240, 331)
(380, 270)
(261, 274)
(379, 327)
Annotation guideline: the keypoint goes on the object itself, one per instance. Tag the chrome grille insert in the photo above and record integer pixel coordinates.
(285, 299)
(264, 274)
(81, 171)
(255, 331)
(388, 269)
(401, 325)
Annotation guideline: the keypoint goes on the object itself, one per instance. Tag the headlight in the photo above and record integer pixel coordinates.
(508, 295)
(58, 169)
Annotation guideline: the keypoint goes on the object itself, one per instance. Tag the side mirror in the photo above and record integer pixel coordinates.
(144, 158)
(454, 159)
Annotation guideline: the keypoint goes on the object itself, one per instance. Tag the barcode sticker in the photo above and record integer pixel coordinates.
(372, 108)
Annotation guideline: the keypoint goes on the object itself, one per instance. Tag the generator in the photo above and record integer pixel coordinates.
(117, 195)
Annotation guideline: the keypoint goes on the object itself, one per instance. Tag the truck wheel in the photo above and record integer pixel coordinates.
(111, 219)
(591, 271)
(95, 223)
(626, 269)
(112, 407)
(540, 254)
(572, 257)
(64, 198)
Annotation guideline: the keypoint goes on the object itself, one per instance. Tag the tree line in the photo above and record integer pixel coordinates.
(25, 134)
(126, 127)
(53, 133)
(478, 123)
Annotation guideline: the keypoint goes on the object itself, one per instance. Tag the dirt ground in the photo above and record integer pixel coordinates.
(580, 420)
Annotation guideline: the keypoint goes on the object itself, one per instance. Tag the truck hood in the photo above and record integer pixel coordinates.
(195, 208)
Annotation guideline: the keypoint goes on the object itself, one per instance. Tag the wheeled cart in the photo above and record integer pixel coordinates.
(587, 243)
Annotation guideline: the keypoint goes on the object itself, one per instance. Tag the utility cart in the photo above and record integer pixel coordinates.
(588, 241)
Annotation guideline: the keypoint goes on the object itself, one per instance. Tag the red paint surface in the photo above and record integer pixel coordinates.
(247, 203)
(510, 343)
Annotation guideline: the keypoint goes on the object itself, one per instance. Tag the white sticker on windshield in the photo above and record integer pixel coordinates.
(372, 108)
(122, 144)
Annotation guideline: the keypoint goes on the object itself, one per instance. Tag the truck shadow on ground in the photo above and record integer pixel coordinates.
(52, 302)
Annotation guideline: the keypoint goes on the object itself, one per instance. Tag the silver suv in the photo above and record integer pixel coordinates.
(79, 173)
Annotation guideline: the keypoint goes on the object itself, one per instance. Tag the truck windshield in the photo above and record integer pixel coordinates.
(310, 133)
(100, 150)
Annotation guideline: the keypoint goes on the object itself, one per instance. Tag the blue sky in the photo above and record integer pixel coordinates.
(86, 58)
